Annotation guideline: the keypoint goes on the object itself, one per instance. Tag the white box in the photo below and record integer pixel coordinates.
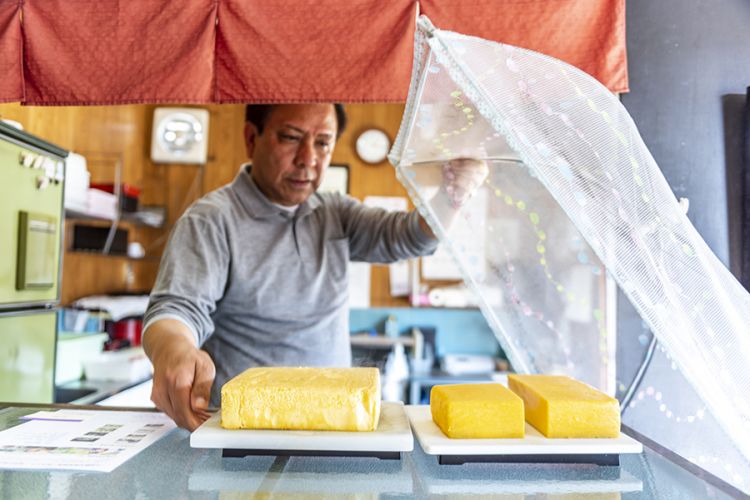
(467, 364)
(72, 351)
(77, 179)
(101, 204)
(126, 365)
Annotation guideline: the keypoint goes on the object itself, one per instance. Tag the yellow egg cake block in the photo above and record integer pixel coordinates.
(562, 407)
(475, 411)
(331, 399)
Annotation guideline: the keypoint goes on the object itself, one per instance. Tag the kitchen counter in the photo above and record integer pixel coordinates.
(171, 469)
(85, 392)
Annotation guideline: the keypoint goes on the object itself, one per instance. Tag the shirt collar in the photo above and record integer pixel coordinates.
(256, 203)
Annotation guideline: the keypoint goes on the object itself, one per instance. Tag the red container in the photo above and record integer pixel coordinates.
(125, 189)
(126, 329)
(128, 195)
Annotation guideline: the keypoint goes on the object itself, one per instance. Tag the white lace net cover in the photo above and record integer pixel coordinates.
(575, 155)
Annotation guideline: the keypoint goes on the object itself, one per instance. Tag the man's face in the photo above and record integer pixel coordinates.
(291, 155)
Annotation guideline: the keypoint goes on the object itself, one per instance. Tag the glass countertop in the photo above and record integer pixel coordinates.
(170, 468)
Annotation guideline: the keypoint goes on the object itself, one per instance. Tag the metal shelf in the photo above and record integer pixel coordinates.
(97, 253)
(123, 217)
(379, 341)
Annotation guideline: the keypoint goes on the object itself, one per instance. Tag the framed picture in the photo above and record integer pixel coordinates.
(336, 179)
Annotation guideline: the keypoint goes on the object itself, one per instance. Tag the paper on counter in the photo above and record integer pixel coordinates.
(86, 440)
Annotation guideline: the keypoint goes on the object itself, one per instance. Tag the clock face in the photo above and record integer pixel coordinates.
(372, 146)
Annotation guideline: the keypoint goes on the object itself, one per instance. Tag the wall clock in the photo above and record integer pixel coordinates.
(180, 135)
(372, 146)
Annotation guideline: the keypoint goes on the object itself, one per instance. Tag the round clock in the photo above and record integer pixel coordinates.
(372, 146)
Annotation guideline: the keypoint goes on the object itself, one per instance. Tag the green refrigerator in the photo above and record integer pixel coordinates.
(32, 175)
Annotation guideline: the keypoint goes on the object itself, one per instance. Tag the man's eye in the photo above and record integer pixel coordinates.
(289, 137)
(323, 144)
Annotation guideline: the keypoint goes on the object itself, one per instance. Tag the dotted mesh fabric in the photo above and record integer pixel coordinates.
(573, 196)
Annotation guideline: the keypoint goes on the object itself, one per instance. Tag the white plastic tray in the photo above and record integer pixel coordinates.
(392, 435)
(434, 442)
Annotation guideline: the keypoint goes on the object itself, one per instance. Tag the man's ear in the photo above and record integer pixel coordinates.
(251, 134)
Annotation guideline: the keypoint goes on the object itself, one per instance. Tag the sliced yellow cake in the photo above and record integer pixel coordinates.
(477, 411)
(562, 407)
(331, 399)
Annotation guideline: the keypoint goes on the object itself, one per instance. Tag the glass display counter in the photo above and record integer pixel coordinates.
(171, 469)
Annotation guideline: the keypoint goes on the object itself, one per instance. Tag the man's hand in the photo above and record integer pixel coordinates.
(461, 179)
(183, 374)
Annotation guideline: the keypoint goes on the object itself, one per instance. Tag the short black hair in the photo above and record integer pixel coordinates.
(257, 114)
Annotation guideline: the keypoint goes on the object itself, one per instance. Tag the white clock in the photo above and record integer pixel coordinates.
(372, 146)
(180, 135)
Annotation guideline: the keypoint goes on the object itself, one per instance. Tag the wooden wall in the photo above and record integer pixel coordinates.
(108, 134)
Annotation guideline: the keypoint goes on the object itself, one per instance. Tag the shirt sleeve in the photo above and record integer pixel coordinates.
(157, 317)
(377, 235)
(192, 274)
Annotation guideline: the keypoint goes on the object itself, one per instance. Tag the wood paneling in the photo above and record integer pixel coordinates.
(106, 133)
(376, 180)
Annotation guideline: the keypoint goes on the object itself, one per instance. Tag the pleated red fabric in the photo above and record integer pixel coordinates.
(117, 52)
(11, 52)
(314, 50)
(79, 52)
(589, 34)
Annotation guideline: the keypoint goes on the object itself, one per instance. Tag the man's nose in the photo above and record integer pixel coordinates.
(305, 155)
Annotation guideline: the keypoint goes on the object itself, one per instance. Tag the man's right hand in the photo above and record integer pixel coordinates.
(183, 374)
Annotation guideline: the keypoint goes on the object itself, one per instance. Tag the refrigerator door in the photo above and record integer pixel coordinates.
(27, 356)
(31, 224)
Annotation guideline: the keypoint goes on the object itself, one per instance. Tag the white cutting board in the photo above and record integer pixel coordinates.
(434, 442)
(393, 434)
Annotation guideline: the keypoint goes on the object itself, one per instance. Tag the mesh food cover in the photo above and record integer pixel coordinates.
(573, 196)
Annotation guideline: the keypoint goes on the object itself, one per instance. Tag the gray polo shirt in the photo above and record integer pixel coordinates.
(261, 286)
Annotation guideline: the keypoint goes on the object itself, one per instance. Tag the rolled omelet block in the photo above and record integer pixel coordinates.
(329, 399)
(562, 407)
(466, 411)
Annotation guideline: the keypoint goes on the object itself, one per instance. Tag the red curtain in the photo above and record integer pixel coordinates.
(319, 50)
(116, 52)
(589, 34)
(202, 51)
(11, 54)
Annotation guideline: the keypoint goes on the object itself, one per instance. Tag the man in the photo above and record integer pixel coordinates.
(255, 273)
